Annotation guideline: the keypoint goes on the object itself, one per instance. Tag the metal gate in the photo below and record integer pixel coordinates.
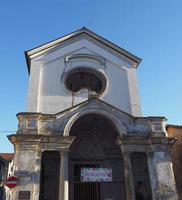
(96, 190)
(86, 191)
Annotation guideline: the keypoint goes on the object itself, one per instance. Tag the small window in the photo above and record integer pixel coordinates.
(85, 78)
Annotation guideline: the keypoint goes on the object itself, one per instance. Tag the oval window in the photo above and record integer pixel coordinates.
(85, 78)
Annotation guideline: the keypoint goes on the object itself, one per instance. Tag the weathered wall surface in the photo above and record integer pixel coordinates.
(176, 131)
(39, 132)
(165, 179)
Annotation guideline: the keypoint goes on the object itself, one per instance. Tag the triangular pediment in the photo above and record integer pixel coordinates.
(79, 35)
(94, 104)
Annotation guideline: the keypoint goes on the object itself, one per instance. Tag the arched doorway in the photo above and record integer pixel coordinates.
(95, 148)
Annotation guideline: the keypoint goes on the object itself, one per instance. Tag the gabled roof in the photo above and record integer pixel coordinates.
(81, 31)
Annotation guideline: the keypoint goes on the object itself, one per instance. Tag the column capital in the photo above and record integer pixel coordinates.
(150, 153)
(126, 153)
(38, 151)
(64, 152)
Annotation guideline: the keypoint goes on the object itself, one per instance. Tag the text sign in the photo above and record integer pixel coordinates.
(22, 173)
(96, 175)
(24, 195)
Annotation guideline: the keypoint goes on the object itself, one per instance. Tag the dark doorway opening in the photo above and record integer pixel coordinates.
(95, 146)
(50, 168)
(141, 174)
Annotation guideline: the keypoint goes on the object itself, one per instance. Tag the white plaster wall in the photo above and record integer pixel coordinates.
(47, 92)
(33, 90)
(118, 88)
(133, 92)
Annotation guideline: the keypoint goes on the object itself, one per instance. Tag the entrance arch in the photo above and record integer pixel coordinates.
(109, 115)
(95, 147)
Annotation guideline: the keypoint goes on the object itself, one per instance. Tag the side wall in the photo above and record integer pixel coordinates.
(176, 132)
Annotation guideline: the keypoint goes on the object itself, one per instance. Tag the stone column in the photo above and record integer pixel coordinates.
(37, 174)
(165, 188)
(63, 178)
(129, 185)
(152, 173)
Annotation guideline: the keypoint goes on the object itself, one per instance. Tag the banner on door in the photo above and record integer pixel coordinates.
(96, 174)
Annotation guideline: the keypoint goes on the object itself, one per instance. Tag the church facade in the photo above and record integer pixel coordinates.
(83, 136)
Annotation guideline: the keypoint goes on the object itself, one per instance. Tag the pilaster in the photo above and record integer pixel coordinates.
(165, 188)
(152, 173)
(63, 178)
(129, 185)
(36, 191)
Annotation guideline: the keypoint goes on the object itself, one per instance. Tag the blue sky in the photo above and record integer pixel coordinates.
(151, 30)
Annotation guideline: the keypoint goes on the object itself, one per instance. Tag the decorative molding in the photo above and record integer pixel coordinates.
(141, 144)
(98, 59)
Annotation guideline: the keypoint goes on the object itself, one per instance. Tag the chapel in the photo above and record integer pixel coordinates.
(83, 136)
